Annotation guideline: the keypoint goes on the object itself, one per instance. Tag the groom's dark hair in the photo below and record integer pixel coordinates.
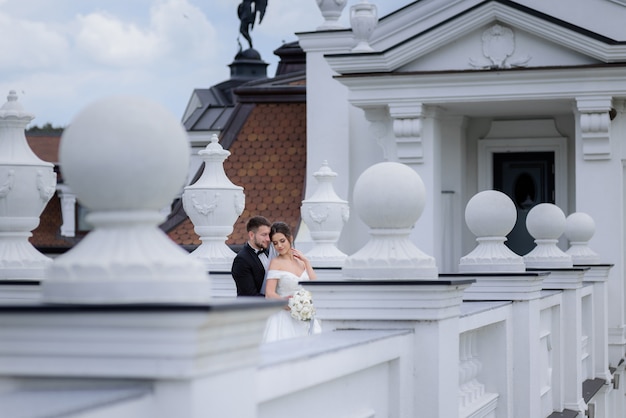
(255, 222)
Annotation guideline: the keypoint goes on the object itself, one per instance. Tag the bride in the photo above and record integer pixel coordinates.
(286, 269)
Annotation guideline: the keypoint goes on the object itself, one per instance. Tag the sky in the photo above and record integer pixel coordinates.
(61, 55)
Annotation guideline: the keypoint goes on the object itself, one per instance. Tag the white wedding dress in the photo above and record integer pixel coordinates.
(282, 325)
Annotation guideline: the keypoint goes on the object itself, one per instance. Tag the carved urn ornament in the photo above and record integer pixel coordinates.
(331, 11)
(213, 204)
(26, 185)
(325, 215)
(363, 18)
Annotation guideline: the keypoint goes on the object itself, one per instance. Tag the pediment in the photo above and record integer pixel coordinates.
(490, 34)
(498, 46)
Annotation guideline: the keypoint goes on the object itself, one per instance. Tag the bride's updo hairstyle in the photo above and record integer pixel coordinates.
(281, 228)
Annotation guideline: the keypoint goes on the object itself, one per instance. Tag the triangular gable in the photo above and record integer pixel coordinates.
(489, 34)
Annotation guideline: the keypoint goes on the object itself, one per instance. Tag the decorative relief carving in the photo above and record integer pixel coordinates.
(345, 213)
(7, 183)
(204, 208)
(408, 133)
(240, 203)
(595, 127)
(498, 49)
(319, 214)
(46, 184)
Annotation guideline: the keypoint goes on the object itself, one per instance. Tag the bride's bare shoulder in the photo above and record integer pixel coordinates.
(277, 264)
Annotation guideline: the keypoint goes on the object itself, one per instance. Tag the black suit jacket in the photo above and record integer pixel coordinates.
(248, 272)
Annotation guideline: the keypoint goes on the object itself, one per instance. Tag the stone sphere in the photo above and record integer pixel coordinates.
(579, 227)
(490, 213)
(124, 153)
(545, 221)
(389, 195)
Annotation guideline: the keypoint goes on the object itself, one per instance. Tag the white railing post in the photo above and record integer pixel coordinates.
(579, 229)
(398, 192)
(491, 215)
(546, 223)
(124, 168)
(391, 284)
(500, 275)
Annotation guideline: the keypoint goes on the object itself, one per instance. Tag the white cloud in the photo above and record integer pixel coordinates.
(60, 55)
(110, 41)
(26, 45)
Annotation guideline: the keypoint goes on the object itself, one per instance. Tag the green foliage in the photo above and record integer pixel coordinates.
(45, 129)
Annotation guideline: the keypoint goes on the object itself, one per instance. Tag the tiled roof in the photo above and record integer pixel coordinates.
(266, 135)
(47, 236)
(45, 147)
(268, 159)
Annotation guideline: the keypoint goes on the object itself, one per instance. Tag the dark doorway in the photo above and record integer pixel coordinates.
(528, 179)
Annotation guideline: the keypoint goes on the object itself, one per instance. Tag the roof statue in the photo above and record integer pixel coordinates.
(247, 11)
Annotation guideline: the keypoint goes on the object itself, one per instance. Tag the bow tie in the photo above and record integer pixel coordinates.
(261, 251)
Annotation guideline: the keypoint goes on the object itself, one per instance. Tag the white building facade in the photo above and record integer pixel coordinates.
(523, 96)
(430, 314)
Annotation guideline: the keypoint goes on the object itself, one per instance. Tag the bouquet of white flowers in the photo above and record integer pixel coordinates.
(301, 305)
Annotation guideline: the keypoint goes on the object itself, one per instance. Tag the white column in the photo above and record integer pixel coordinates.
(418, 145)
(68, 210)
(600, 156)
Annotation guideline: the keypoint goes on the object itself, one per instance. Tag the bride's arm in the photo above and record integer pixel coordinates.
(270, 289)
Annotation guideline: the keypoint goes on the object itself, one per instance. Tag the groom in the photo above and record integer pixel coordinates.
(251, 263)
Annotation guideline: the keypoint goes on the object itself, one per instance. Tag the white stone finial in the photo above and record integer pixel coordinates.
(331, 11)
(546, 223)
(579, 229)
(325, 215)
(390, 197)
(125, 158)
(26, 185)
(491, 216)
(213, 204)
(363, 18)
